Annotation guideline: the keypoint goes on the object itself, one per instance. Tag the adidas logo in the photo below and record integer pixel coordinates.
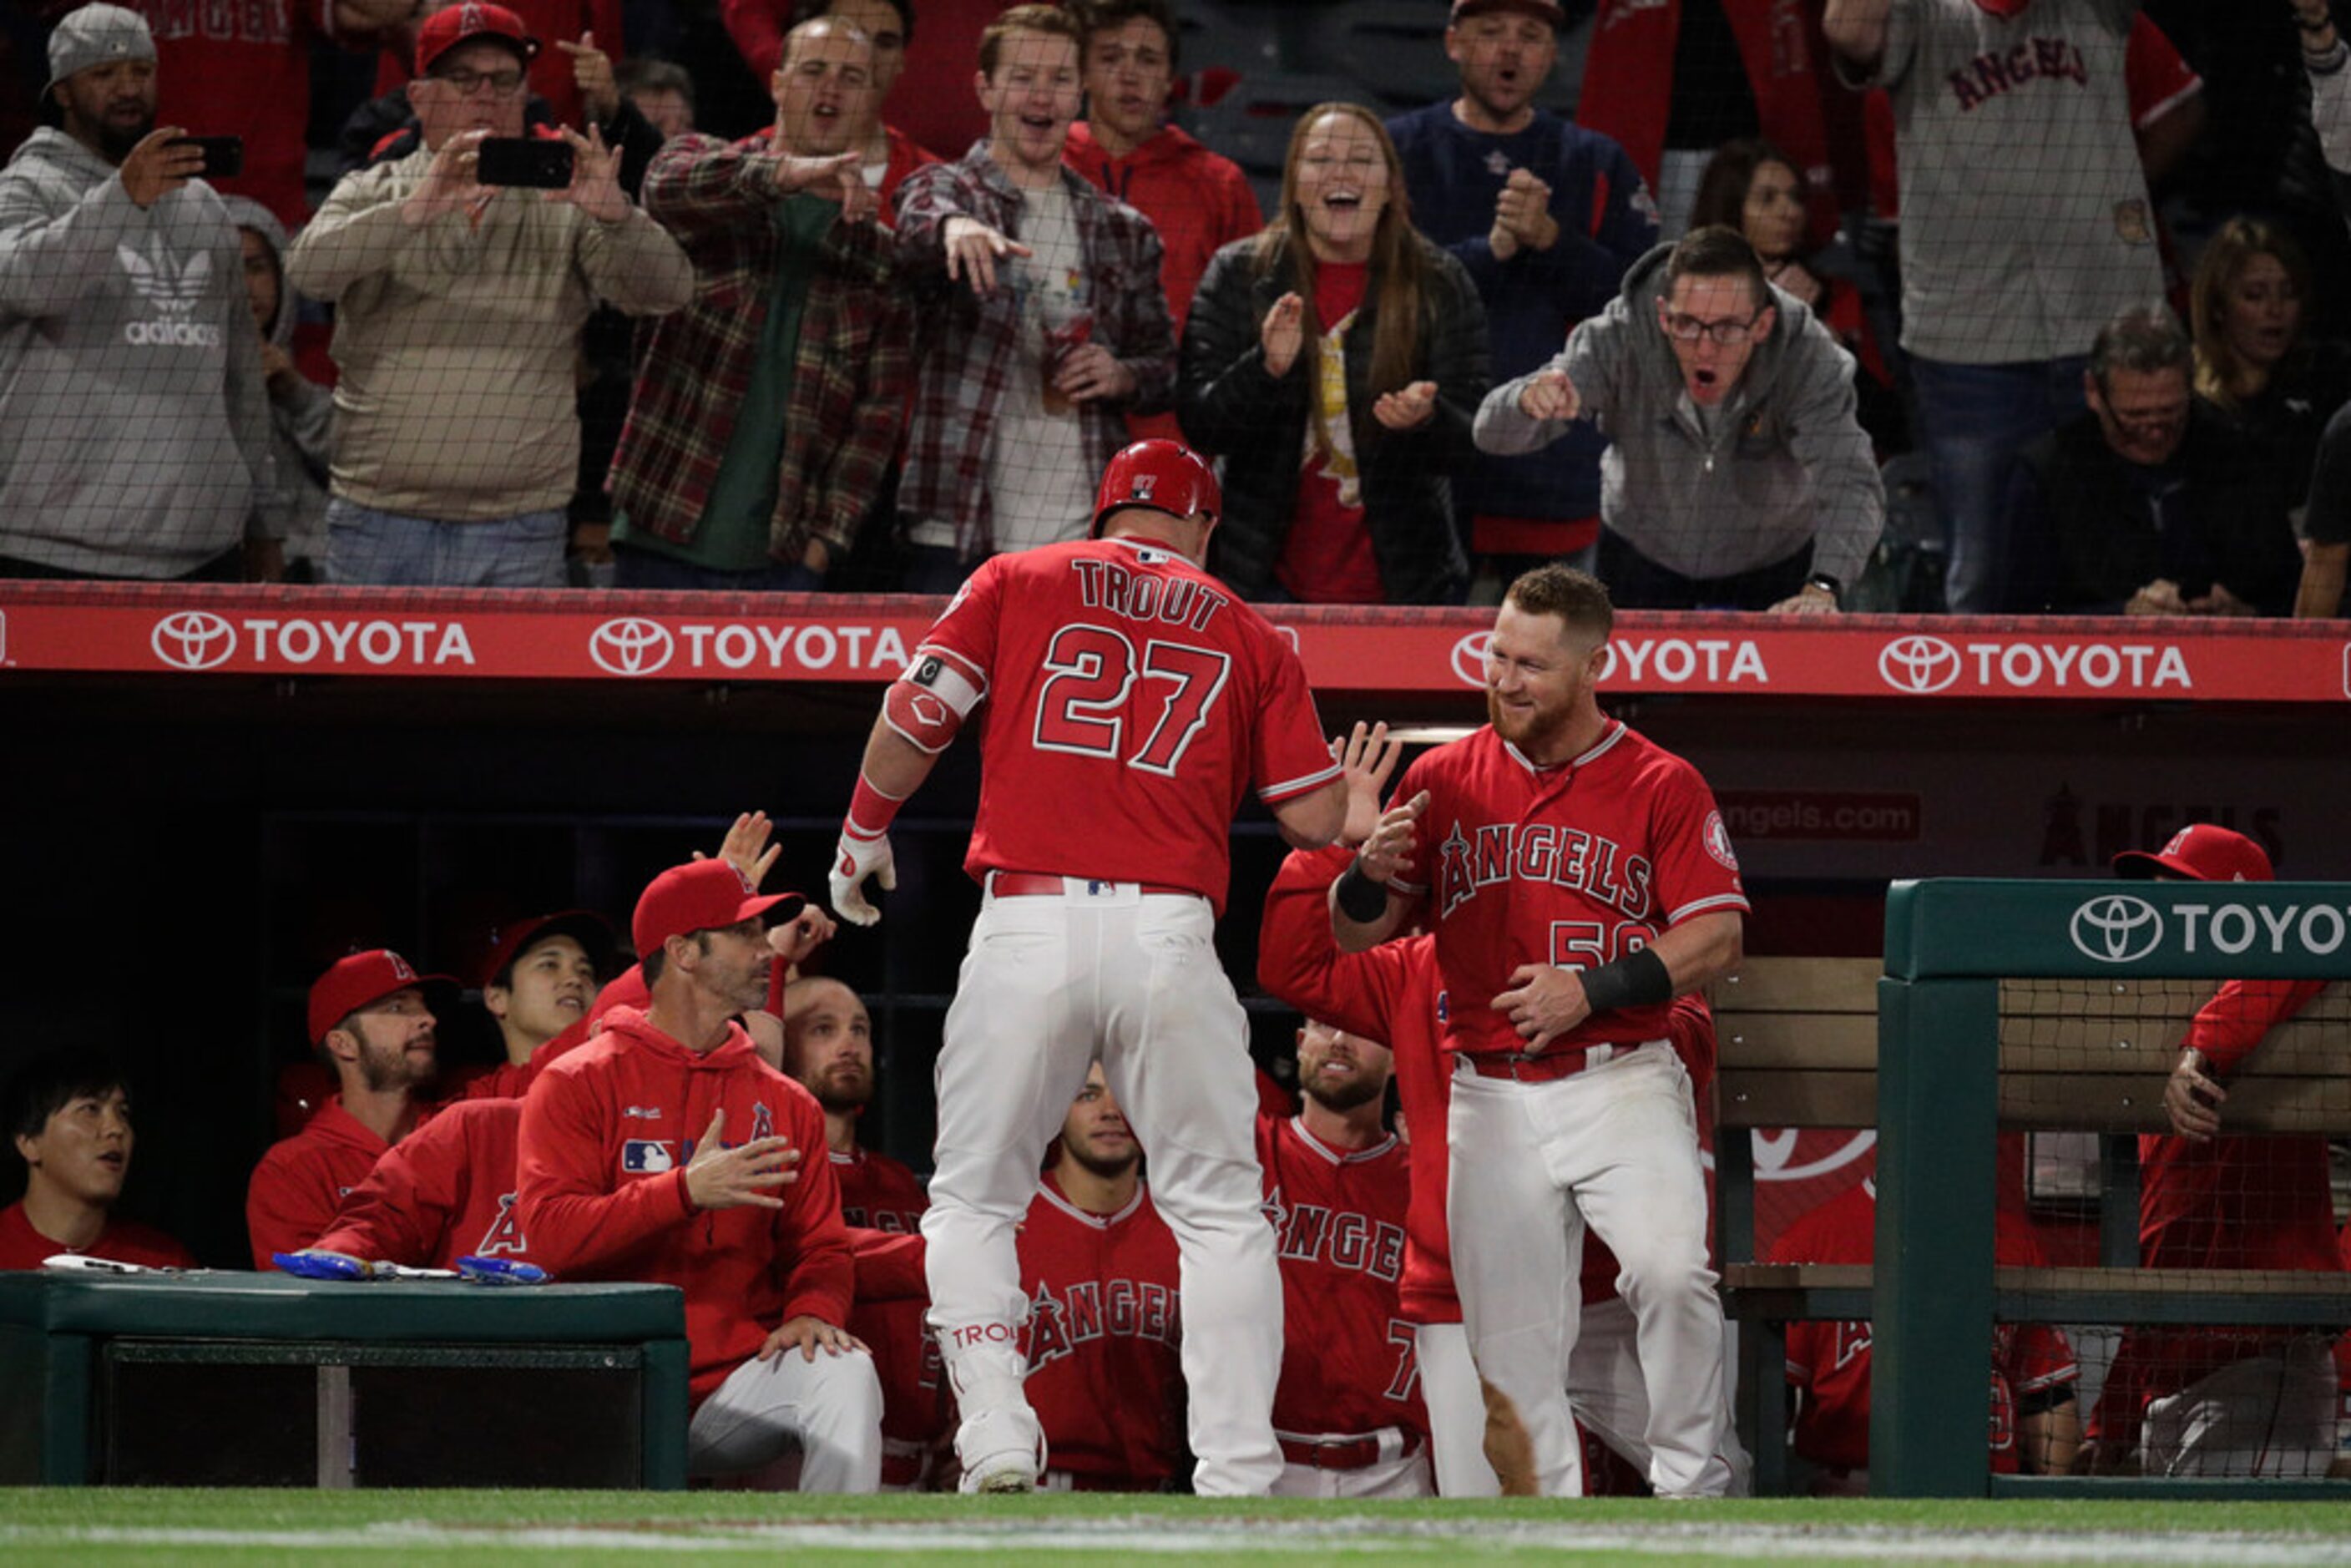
(172, 289)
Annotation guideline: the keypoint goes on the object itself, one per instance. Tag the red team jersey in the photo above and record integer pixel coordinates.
(1130, 700)
(1830, 1362)
(22, 1246)
(242, 67)
(1104, 1375)
(877, 1193)
(303, 1180)
(606, 1135)
(1347, 1363)
(1574, 866)
(445, 1192)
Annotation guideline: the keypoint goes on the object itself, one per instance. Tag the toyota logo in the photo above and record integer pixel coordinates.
(630, 646)
(1919, 664)
(2117, 928)
(1469, 658)
(192, 640)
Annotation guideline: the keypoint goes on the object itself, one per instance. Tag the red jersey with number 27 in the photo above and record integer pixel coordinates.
(1130, 700)
(1575, 865)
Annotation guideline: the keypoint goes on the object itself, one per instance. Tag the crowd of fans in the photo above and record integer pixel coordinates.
(852, 351)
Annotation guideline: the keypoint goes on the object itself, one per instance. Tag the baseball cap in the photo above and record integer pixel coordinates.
(96, 36)
(2201, 852)
(356, 981)
(454, 25)
(702, 896)
(515, 938)
(1543, 10)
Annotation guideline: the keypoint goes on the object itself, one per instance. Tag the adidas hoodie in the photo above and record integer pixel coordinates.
(134, 427)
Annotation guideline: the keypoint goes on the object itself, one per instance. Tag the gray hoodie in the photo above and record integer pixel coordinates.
(1781, 460)
(133, 427)
(301, 412)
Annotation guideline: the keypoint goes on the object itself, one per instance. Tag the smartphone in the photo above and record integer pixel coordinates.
(525, 160)
(223, 155)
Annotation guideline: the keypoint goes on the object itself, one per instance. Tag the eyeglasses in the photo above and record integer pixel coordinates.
(1689, 329)
(502, 83)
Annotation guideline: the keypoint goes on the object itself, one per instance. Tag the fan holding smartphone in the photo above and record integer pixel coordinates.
(462, 275)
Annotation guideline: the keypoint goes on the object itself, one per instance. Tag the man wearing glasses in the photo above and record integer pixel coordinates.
(458, 311)
(1736, 476)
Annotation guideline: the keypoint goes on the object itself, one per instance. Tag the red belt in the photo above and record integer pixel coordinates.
(1030, 884)
(1523, 1067)
(1344, 1453)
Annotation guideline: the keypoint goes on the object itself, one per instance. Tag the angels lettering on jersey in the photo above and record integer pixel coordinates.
(503, 1237)
(1337, 1237)
(1471, 859)
(1085, 1311)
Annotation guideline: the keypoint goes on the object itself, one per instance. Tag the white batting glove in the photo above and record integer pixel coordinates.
(854, 860)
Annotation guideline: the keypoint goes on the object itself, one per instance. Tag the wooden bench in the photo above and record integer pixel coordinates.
(1798, 1041)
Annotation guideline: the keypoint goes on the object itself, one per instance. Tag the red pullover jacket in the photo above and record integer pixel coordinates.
(446, 1191)
(606, 1134)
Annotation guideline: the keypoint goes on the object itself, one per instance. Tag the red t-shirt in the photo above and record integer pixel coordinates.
(1574, 866)
(1347, 1364)
(1326, 556)
(1130, 700)
(1106, 1376)
(445, 1192)
(22, 1246)
(242, 69)
(1830, 1362)
(877, 1193)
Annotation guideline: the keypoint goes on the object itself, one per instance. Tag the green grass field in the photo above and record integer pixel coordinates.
(98, 1525)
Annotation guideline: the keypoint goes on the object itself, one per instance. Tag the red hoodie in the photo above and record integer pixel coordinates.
(606, 1135)
(1200, 201)
(302, 1180)
(446, 1191)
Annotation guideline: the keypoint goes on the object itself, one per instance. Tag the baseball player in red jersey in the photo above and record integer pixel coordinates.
(656, 1151)
(1348, 1411)
(829, 1051)
(70, 1121)
(1132, 698)
(445, 1192)
(1391, 991)
(369, 1017)
(1577, 879)
(2035, 1426)
(1099, 1268)
(2217, 1400)
(539, 980)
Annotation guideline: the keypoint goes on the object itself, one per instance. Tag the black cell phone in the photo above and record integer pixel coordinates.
(223, 155)
(525, 160)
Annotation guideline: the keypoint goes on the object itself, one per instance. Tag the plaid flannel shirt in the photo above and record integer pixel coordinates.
(970, 343)
(850, 373)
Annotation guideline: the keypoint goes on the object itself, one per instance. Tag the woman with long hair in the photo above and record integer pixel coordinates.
(2253, 360)
(1335, 362)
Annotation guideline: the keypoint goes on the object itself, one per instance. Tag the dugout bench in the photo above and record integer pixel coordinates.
(2081, 1042)
(226, 1378)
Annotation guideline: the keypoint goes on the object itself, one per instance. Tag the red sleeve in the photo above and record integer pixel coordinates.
(1293, 756)
(2241, 1015)
(889, 1266)
(2158, 79)
(758, 28)
(288, 1202)
(1298, 961)
(809, 1231)
(965, 631)
(574, 1217)
(398, 1213)
(1697, 870)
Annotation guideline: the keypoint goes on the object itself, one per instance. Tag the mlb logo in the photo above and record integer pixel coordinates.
(647, 1156)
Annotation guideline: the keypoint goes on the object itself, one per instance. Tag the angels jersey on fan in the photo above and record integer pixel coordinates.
(1130, 700)
(1575, 865)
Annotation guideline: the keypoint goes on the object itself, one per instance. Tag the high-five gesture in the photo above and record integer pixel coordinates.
(1369, 758)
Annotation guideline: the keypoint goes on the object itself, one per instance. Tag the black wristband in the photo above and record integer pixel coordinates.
(1361, 899)
(1639, 980)
(1826, 584)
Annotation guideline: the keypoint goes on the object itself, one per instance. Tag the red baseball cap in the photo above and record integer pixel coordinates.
(702, 896)
(2201, 852)
(454, 25)
(513, 939)
(357, 981)
(1543, 10)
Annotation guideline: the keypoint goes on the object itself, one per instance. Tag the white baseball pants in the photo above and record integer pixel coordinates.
(1050, 985)
(1457, 1411)
(1393, 1474)
(2269, 1415)
(1615, 1148)
(829, 1410)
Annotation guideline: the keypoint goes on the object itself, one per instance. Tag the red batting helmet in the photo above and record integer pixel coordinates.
(1164, 475)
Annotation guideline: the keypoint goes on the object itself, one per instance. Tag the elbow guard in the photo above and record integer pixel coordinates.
(928, 703)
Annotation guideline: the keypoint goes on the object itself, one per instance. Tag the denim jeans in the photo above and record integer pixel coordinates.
(1972, 421)
(366, 546)
(652, 570)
